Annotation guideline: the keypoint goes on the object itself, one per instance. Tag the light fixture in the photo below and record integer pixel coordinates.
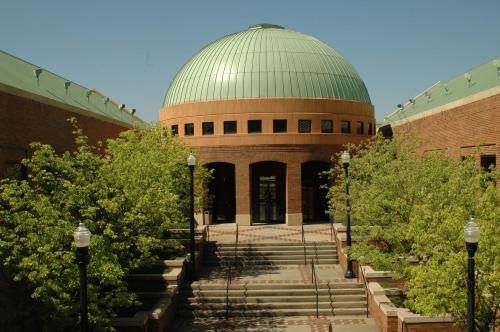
(345, 157)
(471, 231)
(471, 236)
(191, 160)
(82, 236)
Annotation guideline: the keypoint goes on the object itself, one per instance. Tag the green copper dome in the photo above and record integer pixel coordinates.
(266, 61)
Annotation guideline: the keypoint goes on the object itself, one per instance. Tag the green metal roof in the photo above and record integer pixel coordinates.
(22, 75)
(265, 61)
(478, 79)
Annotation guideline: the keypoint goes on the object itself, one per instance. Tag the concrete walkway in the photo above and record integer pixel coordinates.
(275, 274)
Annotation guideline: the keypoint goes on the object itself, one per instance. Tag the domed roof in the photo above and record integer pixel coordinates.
(266, 61)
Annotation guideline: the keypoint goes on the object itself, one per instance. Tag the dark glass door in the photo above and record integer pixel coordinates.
(268, 192)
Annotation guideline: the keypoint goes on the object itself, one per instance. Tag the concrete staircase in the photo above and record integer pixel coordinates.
(206, 298)
(260, 300)
(270, 254)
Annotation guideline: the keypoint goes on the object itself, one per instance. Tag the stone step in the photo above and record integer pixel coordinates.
(242, 253)
(283, 247)
(270, 305)
(277, 257)
(273, 313)
(272, 244)
(277, 292)
(197, 285)
(277, 299)
(272, 262)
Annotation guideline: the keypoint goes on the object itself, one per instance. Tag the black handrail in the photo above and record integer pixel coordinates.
(314, 278)
(236, 246)
(360, 271)
(227, 291)
(331, 231)
(304, 245)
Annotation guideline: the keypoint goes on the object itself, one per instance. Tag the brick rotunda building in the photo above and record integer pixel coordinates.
(266, 108)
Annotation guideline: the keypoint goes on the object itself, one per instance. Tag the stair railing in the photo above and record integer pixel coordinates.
(314, 278)
(304, 244)
(360, 271)
(236, 246)
(229, 273)
(228, 282)
(331, 231)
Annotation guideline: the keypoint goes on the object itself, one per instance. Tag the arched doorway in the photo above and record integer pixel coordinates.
(314, 191)
(268, 181)
(222, 192)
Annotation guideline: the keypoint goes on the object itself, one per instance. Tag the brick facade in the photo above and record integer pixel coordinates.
(458, 129)
(25, 120)
(292, 148)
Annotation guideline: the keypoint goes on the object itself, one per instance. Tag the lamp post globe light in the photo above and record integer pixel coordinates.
(471, 235)
(82, 240)
(346, 158)
(191, 161)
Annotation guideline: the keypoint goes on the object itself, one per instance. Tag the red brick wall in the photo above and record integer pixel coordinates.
(458, 131)
(387, 324)
(23, 121)
(428, 327)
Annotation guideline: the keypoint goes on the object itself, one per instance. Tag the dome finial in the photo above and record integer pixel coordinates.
(265, 26)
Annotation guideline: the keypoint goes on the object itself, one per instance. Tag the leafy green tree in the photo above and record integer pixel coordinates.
(409, 211)
(128, 195)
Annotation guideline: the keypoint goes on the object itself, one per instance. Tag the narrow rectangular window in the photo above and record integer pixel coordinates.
(230, 127)
(304, 126)
(345, 127)
(254, 126)
(360, 128)
(188, 129)
(326, 126)
(175, 130)
(370, 129)
(279, 126)
(207, 128)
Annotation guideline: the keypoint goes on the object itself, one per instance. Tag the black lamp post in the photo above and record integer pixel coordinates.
(82, 240)
(471, 235)
(346, 158)
(191, 160)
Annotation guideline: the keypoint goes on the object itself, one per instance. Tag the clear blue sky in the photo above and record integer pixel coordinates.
(131, 50)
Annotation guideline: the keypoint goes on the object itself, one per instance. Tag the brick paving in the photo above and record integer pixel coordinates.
(225, 233)
(290, 324)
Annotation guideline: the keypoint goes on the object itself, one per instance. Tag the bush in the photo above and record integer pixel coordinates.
(413, 206)
(128, 196)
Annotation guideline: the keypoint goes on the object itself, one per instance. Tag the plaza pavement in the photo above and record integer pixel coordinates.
(274, 274)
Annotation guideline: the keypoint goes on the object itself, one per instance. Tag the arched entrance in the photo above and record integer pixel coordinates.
(314, 191)
(268, 182)
(222, 192)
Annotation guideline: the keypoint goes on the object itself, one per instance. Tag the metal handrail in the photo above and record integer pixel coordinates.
(236, 246)
(360, 271)
(228, 282)
(304, 245)
(314, 278)
(331, 231)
